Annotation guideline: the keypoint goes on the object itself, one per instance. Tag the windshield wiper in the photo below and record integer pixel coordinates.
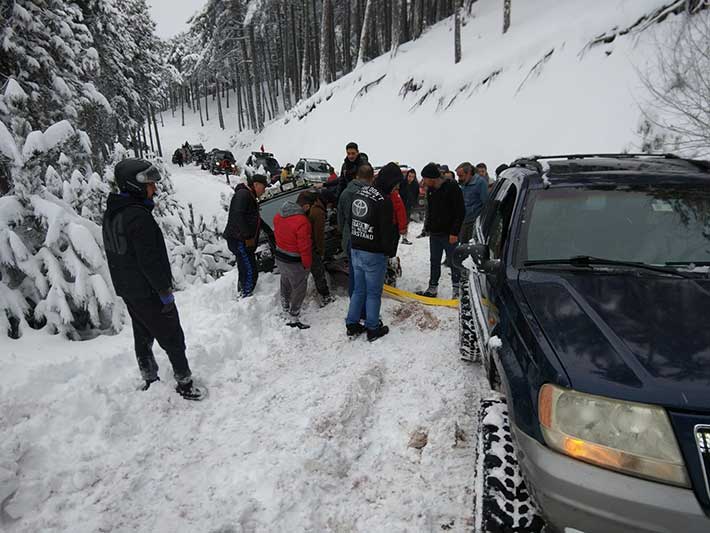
(589, 261)
(688, 263)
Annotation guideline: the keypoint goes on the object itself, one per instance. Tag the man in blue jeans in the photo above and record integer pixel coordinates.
(373, 238)
(445, 215)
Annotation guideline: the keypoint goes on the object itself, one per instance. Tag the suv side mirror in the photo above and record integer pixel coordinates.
(481, 255)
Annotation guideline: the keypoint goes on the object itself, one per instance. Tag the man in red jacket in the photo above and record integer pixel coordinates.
(293, 256)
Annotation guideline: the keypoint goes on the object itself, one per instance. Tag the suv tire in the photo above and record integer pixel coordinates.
(468, 344)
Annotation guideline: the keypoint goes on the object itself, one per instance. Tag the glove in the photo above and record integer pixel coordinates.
(167, 298)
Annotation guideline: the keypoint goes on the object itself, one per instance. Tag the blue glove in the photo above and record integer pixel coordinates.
(167, 299)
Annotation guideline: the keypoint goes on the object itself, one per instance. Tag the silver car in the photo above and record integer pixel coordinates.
(314, 171)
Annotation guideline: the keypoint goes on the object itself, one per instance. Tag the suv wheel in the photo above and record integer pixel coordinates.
(468, 345)
(502, 503)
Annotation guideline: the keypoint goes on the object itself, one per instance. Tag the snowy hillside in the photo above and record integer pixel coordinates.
(543, 87)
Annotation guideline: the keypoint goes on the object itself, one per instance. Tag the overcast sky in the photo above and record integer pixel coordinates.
(171, 15)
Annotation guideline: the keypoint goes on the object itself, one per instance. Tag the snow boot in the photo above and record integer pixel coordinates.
(374, 334)
(190, 392)
(148, 383)
(431, 292)
(295, 323)
(355, 329)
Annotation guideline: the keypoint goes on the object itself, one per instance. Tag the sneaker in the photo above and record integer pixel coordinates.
(374, 334)
(148, 383)
(431, 292)
(355, 329)
(190, 392)
(406, 241)
(297, 324)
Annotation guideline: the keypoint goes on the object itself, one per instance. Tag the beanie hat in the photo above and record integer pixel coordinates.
(260, 178)
(390, 175)
(431, 171)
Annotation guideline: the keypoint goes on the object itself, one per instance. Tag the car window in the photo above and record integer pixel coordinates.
(489, 210)
(318, 166)
(660, 224)
(501, 223)
(300, 166)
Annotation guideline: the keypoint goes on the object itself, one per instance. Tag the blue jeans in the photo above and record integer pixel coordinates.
(438, 244)
(368, 273)
(351, 279)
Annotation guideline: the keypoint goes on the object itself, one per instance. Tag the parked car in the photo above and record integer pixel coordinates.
(266, 160)
(587, 306)
(198, 153)
(315, 171)
(222, 161)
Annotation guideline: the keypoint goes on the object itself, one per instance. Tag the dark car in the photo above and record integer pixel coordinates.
(266, 160)
(587, 302)
(198, 153)
(221, 162)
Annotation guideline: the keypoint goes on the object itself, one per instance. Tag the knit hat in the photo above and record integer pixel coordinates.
(259, 178)
(390, 175)
(431, 171)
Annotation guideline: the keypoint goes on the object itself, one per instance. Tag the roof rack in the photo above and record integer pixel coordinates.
(585, 156)
(539, 163)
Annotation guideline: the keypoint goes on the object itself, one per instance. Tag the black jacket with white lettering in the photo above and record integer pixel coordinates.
(371, 223)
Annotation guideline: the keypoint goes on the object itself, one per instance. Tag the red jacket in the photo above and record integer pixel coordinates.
(400, 213)
(292, 231)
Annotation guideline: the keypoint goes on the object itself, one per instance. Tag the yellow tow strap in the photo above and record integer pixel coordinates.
(406, 295)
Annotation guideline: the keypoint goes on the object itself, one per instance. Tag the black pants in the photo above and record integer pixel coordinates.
(318, 271)
(150, 324)
(246, 266)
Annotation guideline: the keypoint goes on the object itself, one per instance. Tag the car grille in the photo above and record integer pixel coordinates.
(702, 436)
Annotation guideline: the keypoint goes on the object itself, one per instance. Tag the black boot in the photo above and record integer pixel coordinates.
(355, 329)
(148, 383)
(190, 392)
(296, 323)
(374, 334)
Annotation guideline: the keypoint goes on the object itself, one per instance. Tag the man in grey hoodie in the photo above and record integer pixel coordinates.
(365, 176)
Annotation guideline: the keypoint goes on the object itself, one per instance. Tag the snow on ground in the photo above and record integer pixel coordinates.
(302, 431)
(200, 188)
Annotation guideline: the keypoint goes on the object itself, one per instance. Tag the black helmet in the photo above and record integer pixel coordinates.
(132, 175)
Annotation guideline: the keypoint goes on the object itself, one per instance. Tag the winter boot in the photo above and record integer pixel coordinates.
(190, 392)
(296, 323)
(326, 299)
(355, 329)
(148, 383)
(431, 292)
(380, 331)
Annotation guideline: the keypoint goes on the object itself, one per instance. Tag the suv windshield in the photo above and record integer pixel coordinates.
(318, 166)
(657, 225)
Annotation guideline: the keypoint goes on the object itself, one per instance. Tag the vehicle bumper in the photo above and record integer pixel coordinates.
(579, 496)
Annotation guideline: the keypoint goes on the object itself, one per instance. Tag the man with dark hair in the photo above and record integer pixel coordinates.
(317, 216)
(374, 238)
(293, 255)
(140, 271)
(365, 176)
(482, 171)
(475, 194)
(445, 214)
(353, 160)
(242, 231)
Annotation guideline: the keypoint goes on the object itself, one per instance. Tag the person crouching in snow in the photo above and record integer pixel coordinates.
(242, 231)
(140, 271)
(294, 255)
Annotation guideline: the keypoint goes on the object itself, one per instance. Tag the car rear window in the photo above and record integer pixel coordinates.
(656, 225)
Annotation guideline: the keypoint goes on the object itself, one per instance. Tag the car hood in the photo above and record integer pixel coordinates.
(635, 337)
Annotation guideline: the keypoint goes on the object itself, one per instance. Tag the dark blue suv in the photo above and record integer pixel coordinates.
(588, 303)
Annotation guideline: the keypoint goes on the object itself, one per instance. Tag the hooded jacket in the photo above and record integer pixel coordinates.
(475, 194)
(348, 171)
(243, 223)
(345, 203)
(316, 216)
(135, 248)
(445, 209)
(372, 229)
(293, 235)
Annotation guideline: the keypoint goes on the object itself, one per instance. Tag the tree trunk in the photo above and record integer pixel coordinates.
(457, 36)
(220, 116)
(506, 15)
(297, 59)
(150, 133)
(238, 91)
(249, 87)
(362, 55)
(347, 39)
(199, 104)
(155, 127)
(256, 80)
(182, 103)
(207, 103)
(403, 24)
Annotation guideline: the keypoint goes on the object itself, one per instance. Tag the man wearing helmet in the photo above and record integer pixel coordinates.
(140, 271)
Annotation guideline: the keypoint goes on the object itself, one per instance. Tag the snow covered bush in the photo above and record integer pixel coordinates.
(53, 270)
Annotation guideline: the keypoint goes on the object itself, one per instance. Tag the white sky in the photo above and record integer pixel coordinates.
(171, 15)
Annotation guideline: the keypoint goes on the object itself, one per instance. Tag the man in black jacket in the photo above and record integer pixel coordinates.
(445, 214)
(242, 231)
(373, 238)
(353, 161)
(140, 271)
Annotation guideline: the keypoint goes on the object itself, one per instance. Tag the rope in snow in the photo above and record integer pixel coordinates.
(406, 295)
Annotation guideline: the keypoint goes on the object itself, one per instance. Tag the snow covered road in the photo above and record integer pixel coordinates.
(302, 431)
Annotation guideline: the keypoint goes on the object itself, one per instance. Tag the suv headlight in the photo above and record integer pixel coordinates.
(629, 437)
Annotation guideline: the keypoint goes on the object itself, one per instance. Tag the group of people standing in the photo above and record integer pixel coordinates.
(373, 213)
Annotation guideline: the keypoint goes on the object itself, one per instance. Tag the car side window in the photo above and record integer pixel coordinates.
(501, 223)
(489, 210)
(300, 166)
